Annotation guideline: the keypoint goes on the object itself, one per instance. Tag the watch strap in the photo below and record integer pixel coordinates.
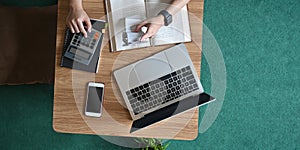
(167, 17)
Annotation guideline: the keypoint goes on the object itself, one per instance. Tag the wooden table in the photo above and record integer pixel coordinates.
(70, 85)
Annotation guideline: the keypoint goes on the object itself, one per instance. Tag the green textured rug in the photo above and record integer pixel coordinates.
(259, 40)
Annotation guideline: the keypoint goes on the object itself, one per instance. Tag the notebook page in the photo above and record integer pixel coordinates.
(178, 31)
(120, 10)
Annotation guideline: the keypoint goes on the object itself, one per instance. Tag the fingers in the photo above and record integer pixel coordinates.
(88, 24)
(153, 25)
(139, 26)
(145, 36)
(71, 27)
(77, 26)
(150, 32)
(76, 19)
(81, 27)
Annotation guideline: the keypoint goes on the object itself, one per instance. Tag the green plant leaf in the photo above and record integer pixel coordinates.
(165, 146)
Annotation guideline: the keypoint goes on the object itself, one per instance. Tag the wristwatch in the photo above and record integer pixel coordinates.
(167, 17)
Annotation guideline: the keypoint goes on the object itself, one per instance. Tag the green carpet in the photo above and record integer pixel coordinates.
(259, 40)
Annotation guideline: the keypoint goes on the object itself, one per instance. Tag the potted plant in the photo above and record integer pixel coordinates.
(151, 144)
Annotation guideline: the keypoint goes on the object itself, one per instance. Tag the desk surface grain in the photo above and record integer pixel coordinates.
(70, 85)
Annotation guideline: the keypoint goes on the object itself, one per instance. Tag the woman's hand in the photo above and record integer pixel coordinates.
(153, 25)
(76, 19)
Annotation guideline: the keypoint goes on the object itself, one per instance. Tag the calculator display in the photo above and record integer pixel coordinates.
(80, 53)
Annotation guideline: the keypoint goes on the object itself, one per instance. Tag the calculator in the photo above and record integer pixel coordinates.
(81, 49)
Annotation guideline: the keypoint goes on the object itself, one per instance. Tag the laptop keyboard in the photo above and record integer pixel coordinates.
(162, 90)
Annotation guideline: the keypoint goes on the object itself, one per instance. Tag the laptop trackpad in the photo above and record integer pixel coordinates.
(152, 69)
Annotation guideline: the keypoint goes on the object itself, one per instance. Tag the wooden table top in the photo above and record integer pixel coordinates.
(70, 85)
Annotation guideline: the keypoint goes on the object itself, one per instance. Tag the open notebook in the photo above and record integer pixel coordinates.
(124, 15)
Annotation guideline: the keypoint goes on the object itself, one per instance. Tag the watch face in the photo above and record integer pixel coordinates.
(168, 20)
(167, 16)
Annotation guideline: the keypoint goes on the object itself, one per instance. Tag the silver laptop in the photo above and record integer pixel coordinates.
(158, 81)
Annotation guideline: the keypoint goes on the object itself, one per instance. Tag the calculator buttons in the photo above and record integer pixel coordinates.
(85, 46)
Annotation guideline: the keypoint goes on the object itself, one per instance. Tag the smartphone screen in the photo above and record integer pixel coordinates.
(94, 100)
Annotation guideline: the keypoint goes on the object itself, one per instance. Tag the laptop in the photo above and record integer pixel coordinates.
(158, 81)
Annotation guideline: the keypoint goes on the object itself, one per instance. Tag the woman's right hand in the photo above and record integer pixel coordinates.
(153, 25)
(76, 19)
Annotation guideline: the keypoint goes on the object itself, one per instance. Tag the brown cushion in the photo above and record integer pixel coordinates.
(27, 44)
